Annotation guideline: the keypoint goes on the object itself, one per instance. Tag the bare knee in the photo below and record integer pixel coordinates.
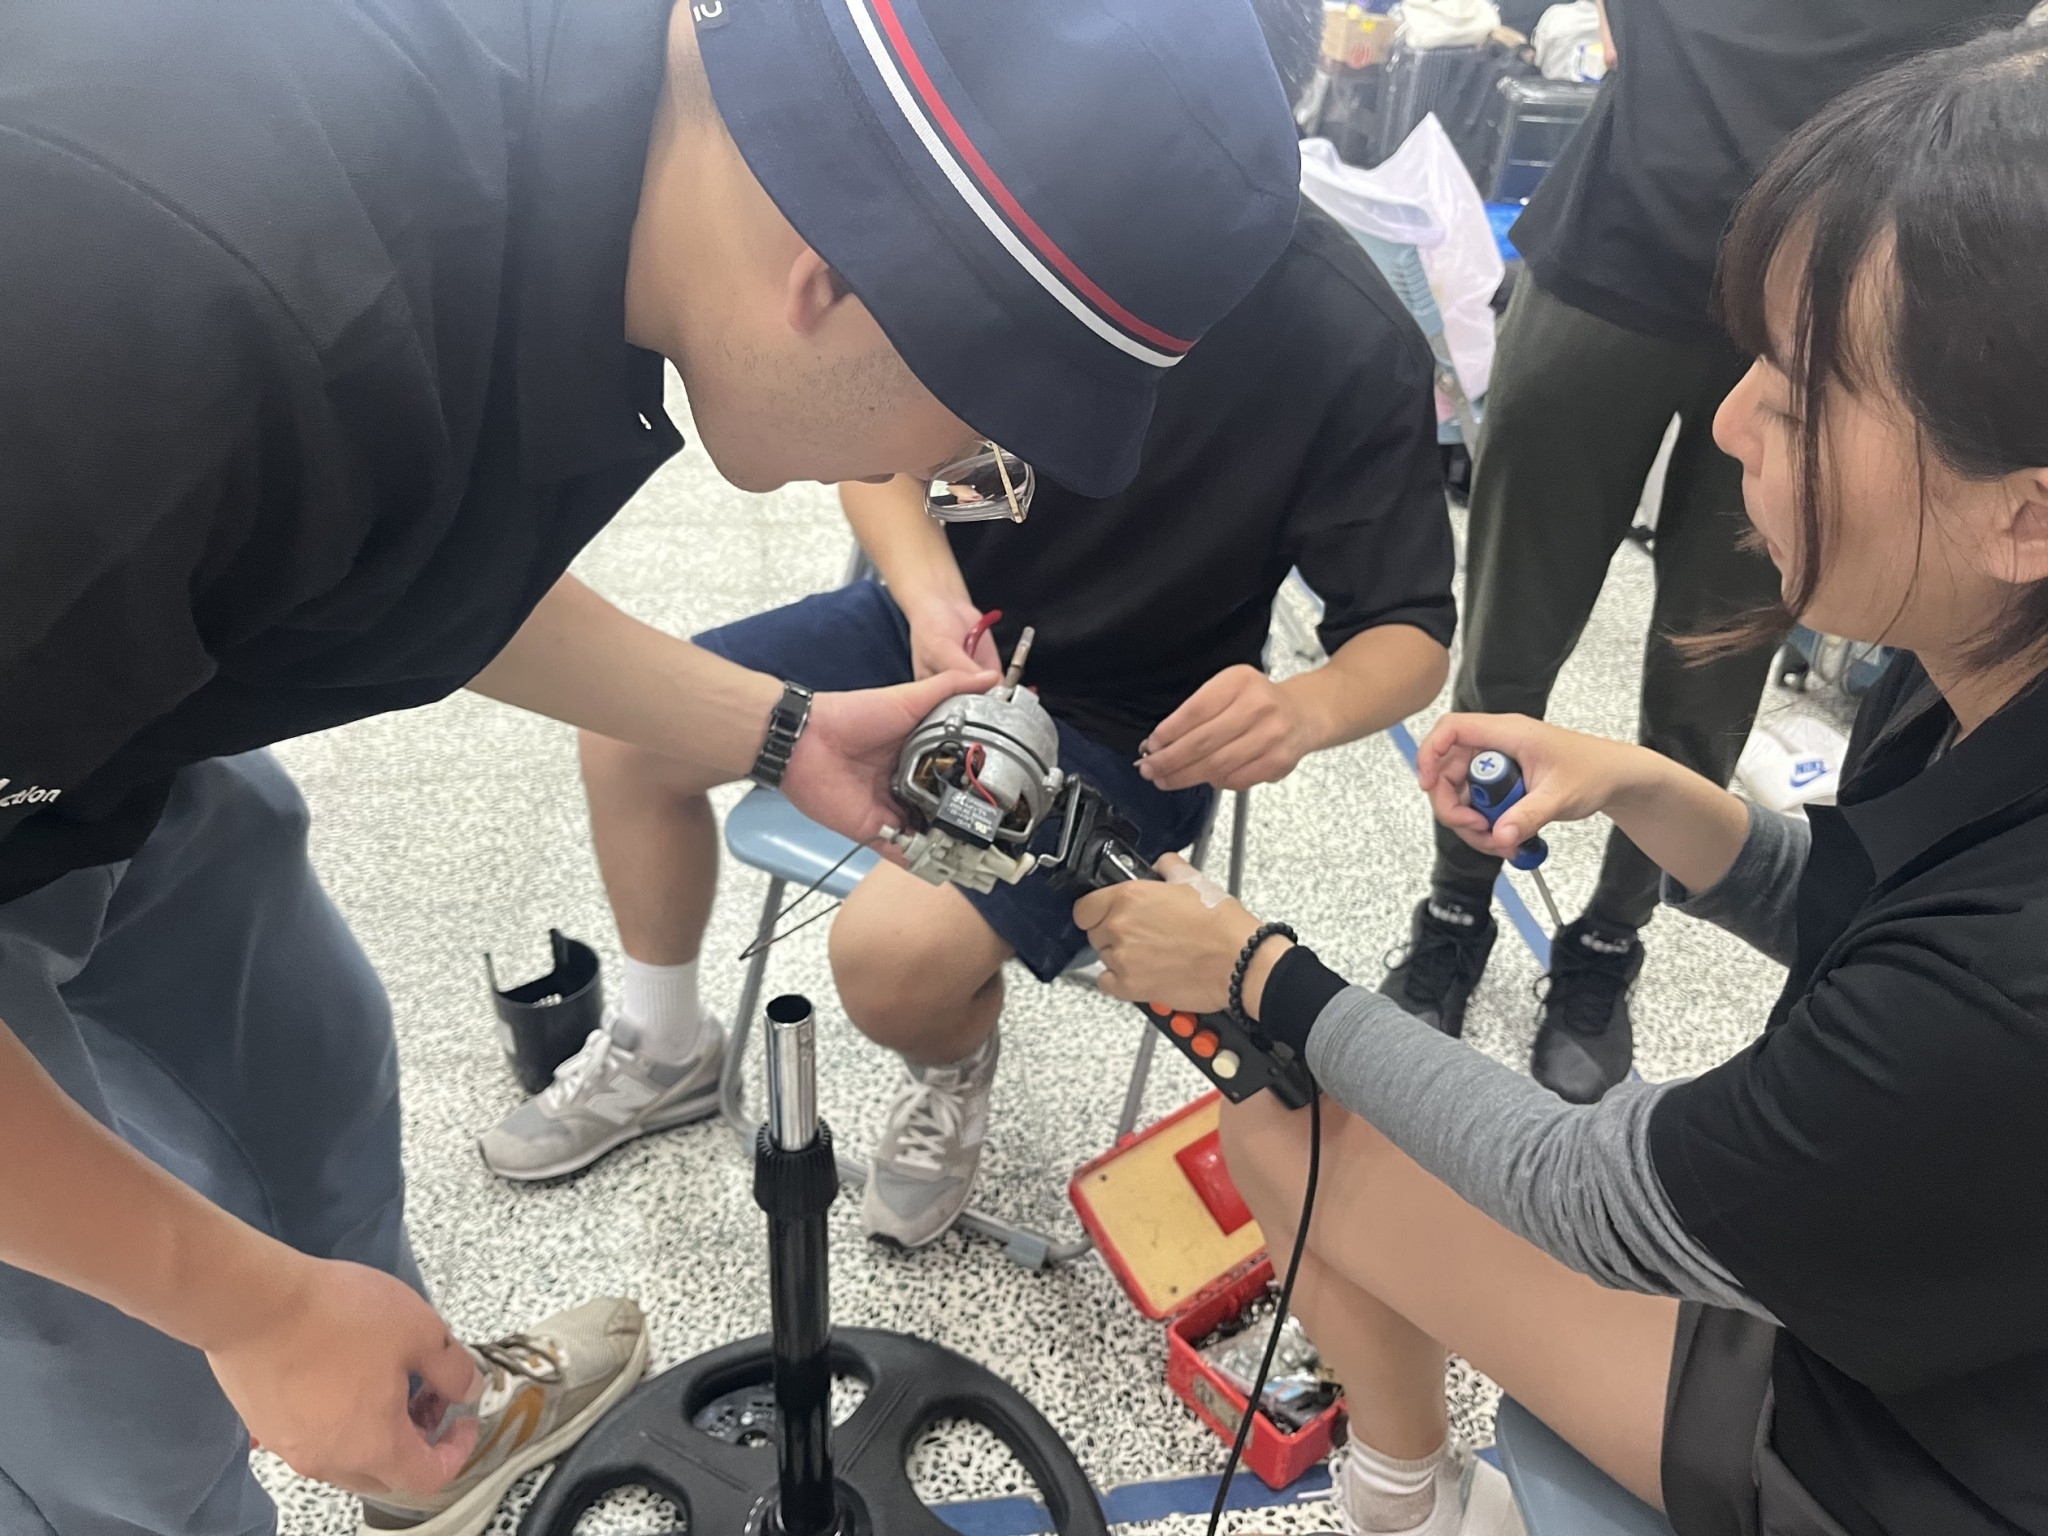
(1265, 1146)
(620, 769)
(908, 969)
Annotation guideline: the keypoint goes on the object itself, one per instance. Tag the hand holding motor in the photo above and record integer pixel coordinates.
(1568, 776)
(1161, 942)
(322, 1379)
(941, 627)
(1238, 729)
(840, 771)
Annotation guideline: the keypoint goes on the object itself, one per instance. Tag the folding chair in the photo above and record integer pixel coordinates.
(1559, 1491)
(765, 832)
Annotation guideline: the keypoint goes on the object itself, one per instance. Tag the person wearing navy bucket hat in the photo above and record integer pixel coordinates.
(1038, 265)
(376, 296)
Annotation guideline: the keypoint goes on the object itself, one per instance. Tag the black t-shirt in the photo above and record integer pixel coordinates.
(1874, 1169)
(1628, 223)
(1301, 432)
(312, 370)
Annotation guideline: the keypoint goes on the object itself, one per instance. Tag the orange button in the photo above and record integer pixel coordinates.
(1158, 1009)
(1205, 1045)
(1182, 1024)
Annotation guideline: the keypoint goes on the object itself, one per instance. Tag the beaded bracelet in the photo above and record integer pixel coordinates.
(1259, 936)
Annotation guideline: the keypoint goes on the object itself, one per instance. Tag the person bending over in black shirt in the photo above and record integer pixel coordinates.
(1828, 1254)
(1301, 434)
(332, 332)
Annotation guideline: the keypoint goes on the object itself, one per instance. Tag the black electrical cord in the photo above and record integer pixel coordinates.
(762, 941)
(1308, 1208)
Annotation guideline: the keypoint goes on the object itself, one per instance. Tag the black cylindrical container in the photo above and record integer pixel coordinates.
(544, 1022)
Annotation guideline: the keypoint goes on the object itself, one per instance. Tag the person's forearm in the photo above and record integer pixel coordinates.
(908, 548)
(581, 660)
(1377, 677)
(81, 1207)
(1757, 900)
(1575, 1180)
(1686, 825)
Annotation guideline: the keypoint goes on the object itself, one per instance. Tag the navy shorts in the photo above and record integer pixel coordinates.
(856, 637)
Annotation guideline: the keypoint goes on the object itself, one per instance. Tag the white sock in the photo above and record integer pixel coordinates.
(1384, 1495)
(659, 1003)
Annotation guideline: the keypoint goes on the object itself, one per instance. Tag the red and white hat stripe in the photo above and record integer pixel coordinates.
(970, 174)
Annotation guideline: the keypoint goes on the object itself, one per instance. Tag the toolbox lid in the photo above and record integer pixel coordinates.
(1163, 1211)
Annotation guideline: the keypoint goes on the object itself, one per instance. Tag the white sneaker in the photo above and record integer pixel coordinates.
(1472, 1499)
(924, 1166)
(602, 1097)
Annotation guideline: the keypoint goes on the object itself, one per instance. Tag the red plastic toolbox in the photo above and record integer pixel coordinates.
(1179, 1239)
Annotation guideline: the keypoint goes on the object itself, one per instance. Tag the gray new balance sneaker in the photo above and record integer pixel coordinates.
(924, 1165)
(601, 1098)
(542, 1390)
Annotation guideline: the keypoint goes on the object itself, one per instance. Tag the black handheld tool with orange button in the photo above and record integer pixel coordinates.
(1096, 849)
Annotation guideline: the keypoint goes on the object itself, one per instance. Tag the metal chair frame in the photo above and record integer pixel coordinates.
(1024, 1245)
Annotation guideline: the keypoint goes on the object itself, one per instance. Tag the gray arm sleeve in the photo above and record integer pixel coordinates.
(1758, 899)
(1575, 1180)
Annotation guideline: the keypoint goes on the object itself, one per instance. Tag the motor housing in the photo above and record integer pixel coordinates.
(981, 773)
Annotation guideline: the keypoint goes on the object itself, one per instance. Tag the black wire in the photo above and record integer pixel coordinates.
(761, 943)
(1308, 1207)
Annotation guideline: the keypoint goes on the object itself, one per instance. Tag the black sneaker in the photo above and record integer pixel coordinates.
(1585, 1038)
(1445, 957)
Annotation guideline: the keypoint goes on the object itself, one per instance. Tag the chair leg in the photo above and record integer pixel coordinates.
(1141, 1075)
(1240, 827)
(732, 1085)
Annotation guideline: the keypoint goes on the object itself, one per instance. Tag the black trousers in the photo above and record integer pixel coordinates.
(1577, 410)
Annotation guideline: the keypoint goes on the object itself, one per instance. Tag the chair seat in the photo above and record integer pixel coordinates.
(1560, 1492)
(767, 833)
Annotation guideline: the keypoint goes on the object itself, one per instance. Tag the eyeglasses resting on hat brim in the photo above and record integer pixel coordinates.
(982, 486)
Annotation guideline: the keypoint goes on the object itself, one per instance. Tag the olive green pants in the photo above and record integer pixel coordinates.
(1577, 410)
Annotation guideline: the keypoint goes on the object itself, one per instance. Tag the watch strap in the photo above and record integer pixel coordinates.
(786, 723)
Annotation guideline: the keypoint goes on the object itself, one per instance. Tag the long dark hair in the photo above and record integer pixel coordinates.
(1939, 166)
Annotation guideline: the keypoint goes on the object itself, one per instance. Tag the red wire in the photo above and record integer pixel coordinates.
(982, 626)
(976, 755)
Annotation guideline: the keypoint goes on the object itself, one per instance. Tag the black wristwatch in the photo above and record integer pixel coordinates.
(785, 724)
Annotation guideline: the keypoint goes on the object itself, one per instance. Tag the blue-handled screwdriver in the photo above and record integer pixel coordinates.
(1495, 782)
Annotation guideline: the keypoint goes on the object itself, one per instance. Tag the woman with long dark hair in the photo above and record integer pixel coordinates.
(1806, 1292)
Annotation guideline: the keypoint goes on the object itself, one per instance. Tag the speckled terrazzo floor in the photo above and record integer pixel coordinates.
(455, 829)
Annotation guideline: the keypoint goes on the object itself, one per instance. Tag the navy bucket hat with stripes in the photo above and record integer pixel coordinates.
(1043, 203)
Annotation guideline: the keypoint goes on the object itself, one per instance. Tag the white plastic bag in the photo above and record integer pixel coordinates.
(1567, 42)
(1445, 23)
(1792, 760)
(1423, 196)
